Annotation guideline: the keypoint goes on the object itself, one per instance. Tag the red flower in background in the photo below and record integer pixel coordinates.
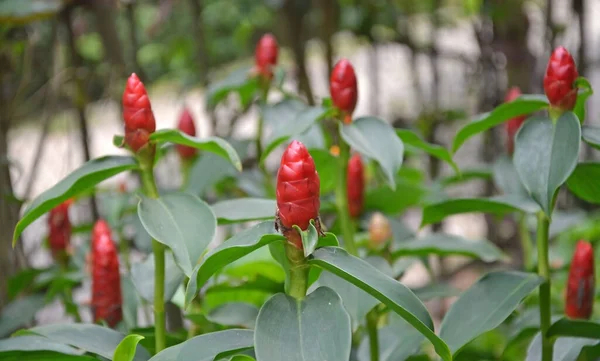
(343, 88)
(512, 125)
(137, 113)
(106, 281)
(559, 80)
(356, 185)
(186, 125)
(298, 189)
(581, 282)
(59, 236)
(265, 55)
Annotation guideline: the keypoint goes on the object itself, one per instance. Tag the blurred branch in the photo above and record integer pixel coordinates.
(105, 14)
(133, 39)
(198, 30)
(330, 11)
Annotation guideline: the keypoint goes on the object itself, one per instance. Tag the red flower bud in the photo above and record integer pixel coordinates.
(59, 236)
(298, 188)
(186, 125)
(559, 80)
(356, 185)
(343, 88)
(581, 282)
(265, 55)
(512, 125)
(106, 281)
(137, 113)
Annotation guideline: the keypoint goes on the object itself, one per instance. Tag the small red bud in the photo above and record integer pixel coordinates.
(186, 125)
(106, 281)
(265, 55)
(559, 80)
(59, 237)
(343, 88)
(581, 282)
(356, 185)
(298, 188)
(512, 125)
(137, 113)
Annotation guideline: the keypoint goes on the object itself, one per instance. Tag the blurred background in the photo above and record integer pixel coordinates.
(429, 65)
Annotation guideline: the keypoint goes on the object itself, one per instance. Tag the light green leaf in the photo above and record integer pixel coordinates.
(506, 177)
(397, 341)
(585, 91)
(126, 349)
(446, 244)
(19, 313)
(410, 138)
(142, 275)
(244, 209)
(388, 201)
(565, 348)
(200, 180)
(591, 135)
(35, 343)
(583, 182)
(326, 165)
(239, 314)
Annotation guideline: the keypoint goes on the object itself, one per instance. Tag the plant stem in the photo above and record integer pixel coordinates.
(298, 271)
(372, 320)
(341, 199)
(526, 246)
(544, 271)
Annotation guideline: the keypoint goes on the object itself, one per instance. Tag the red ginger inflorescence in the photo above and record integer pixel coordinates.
(186, 125)
(137, 113)
(59, 236)
(106, 281)
(356, 185)
(265, 55)
(581, 283)
(559, 80)
(298, 189)
(512, 125)
(343, 88)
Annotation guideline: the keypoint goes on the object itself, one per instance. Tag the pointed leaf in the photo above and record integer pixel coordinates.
(546, 155)
(315, 328)
(467, 175)
(182, 222)
(575, 328)
(591, 135)
(397, 341)
(583, 182)
(80, 180)
(326, 165)
(410, 138)
(125, 351)
(142, 275)
(506, 177)
(236, 81)
(19, 313)
(565, 348)
(310, 238)
(446, 244)
(244, 210)
(388, 201)
(200, 180)
(585, 91)
(239, 314)
(35, 343)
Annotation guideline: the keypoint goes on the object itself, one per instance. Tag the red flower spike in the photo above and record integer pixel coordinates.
(356, 185)
(512, 125)
(186, 125)
(581, 282)
(59, 236)
(137, 113)
(265, 55)
(106, 281)
(559, 80)
(343, 88)
(298, 188)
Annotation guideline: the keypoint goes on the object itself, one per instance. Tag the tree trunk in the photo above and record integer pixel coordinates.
(105, 14)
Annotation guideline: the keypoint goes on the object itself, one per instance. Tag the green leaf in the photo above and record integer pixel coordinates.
(244, 210)
(125, 351)
(435, 290)
(565, 348)
(35, 343)
(584, 92)
(315, 328)
(467, 175)
(546, 155)
(214, 145)
(23, 12)
(388, 201)
(208, 347)
(397, 341)
(310, 238)
(485, 305)
(142, 275)
(376, 139)
(498, 205)
(523, 105)
(506, 177)
(446, 244)
(19, 313)
(44, 356)
(237, 80)
(390, 292)
(182, 222)
(90, 338)
(236, 247)
(131, 302)
(412, 139)
(591, 135)
(575, 328)
(200, 179)
(326, 165)
(239, 314)
(80, 180)
(583, 182)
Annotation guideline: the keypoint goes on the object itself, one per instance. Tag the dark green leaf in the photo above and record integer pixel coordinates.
(43, 356)
(397, 341)
(130, 302)
(583, 182)
(326, 165)
(244, 209)
(506, 177)
(412, 139)
(575, 328)
(239, 314)
(584, 92)
(35, 343)
(125, 351)
(142, 275)
(467, 175)
(446, 244)
(591, 135)
(19, 313)
(390, 201)
(206, 171)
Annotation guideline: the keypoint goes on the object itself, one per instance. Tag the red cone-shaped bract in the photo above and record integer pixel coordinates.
(343, 88)
(265, 55)
(356, 185)
(559, 80)
(512, 125)
(186, 125)
(298, 188)
(106, 281)
(137, 113)
(581, 283)
(59, 236)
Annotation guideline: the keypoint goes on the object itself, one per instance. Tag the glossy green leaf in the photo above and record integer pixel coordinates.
(19, 313)
(585, 91)
(446, 244)
(35, 343)
(546, 155)
(326, 165)
(575, 328)
(506, 177)
(142, 275)
(485, 305)
(523, 105)
(208, 347)
(80, 180)
(244, 209)
(91, 338)
(377, 140)
(591, 135)
(125, 351)
(182, 222)
(233, 249)
(410, 138)
(388, 201)
(239, 314)
(498, 205)
(397, 341)
(315, 328)
(214, 145)
(583, 182)
(390, 292)
(565, 348)
(23, 12)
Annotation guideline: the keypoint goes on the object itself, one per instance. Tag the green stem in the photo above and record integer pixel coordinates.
(544, 271)
(341, 198)
(259, 146)
(298, 271)
(526, 245)
(372, 320)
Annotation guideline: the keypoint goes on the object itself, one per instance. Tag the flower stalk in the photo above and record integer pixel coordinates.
(543, 225)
